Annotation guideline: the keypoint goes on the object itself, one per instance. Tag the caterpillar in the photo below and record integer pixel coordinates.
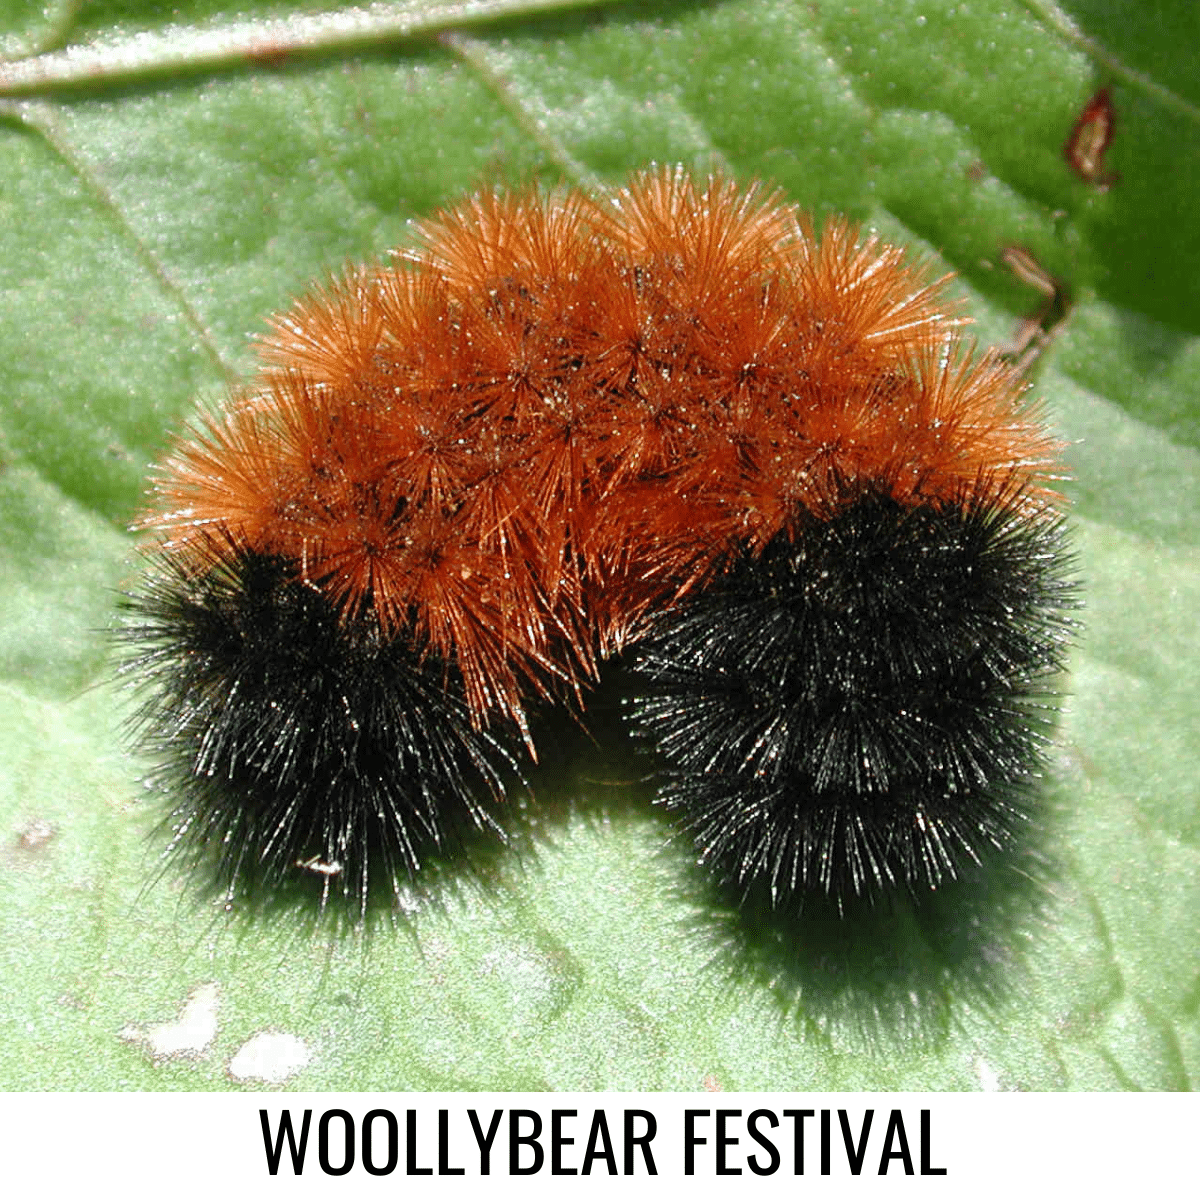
(671, 424)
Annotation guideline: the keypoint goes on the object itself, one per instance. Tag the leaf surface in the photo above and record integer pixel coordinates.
(168, 183)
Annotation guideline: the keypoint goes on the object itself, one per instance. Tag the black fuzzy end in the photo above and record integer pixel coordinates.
(293, 741)
(868, 702)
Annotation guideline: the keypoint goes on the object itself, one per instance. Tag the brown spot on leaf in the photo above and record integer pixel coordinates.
(1090, 139)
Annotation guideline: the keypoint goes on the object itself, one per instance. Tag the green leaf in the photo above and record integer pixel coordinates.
(168, 182)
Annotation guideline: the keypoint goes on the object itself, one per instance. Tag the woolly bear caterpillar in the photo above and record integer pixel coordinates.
(668, 422)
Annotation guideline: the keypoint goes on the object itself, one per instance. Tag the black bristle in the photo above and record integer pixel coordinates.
(292, 738)
(868, 702)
